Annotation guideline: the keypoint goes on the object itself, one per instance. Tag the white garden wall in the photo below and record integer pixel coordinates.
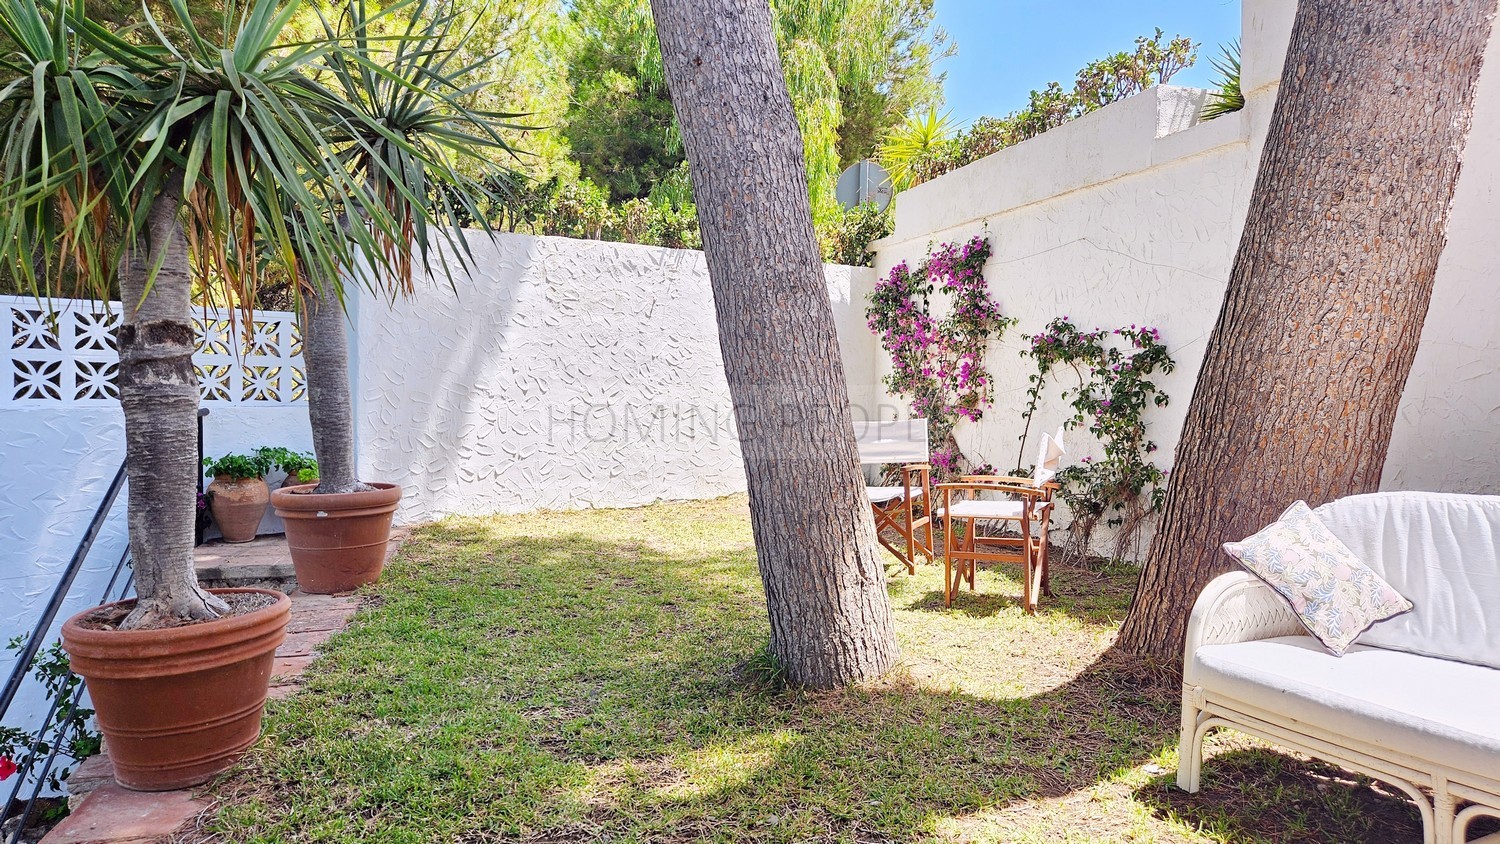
(563, 373)
(1132, 214)
(559, 373)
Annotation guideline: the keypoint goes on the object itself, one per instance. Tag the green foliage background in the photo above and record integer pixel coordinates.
(603, 158)
(854, 69)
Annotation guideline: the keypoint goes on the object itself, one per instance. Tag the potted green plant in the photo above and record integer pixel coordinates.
(134, 163)
(238, 494)
(411, 126)
(300, 467)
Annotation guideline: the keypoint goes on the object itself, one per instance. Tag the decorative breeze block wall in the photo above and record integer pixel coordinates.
(62, 352)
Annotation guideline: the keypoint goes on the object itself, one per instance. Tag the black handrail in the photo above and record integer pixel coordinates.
(39, 777)
(202, 412)
(55, 602)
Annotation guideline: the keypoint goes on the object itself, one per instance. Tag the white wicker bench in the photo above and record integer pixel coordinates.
(1416, 703)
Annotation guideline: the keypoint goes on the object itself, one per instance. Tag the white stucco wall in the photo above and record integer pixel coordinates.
(560, 373)
(1132, 214)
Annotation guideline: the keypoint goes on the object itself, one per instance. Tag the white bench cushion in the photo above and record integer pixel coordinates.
(1434, 709)
(1440, 552)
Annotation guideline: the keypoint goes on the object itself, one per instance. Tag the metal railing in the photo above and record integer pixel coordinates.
(59, 735)
(27, 657)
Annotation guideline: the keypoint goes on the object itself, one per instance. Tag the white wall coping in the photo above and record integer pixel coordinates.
(1157, 126)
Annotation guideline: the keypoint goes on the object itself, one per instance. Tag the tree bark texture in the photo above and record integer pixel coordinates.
(814, 536)
(1329, 290)
(159, 396)
(325, 358)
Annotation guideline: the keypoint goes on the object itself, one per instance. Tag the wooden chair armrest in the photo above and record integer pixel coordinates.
(974, 486)
(1024, 491)
(996, 479)
(1014, 483)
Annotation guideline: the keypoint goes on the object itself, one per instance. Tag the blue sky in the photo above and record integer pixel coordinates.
(1008, 47)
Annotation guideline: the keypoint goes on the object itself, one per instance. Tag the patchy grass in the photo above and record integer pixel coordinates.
(594, 676)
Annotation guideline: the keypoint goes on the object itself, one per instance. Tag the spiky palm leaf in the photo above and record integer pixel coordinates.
(1229, 98)
(61, 176)
(408, 131)
(265, 152)
(908, 143)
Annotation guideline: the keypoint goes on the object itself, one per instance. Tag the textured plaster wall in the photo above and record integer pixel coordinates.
(560, 374)
(1132, 215)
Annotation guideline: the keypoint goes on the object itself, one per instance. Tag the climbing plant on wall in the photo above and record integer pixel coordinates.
(1114, 370)
(937, 361)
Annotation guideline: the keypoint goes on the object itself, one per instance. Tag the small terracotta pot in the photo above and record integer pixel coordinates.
(338, 541)
(178, 706)
(238, 506)
(291, 480)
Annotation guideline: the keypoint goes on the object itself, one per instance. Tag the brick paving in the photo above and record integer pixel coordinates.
(118, 816)
(263, 558)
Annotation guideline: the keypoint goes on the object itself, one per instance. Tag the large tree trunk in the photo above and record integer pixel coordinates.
(1329, 289)
(814, 537)
(159, 394)
(325, 358)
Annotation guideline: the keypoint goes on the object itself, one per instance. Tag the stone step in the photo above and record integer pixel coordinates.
(263, 558)
(115, 814)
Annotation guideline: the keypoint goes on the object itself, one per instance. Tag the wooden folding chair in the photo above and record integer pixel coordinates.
(1026, 505)
(905, 509)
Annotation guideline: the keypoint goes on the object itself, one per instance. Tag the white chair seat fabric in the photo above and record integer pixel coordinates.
(982, 509)
(1434, 709)
(886, 494)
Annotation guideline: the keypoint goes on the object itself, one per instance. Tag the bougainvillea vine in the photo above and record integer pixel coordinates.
(937, 362)
(1114, 389)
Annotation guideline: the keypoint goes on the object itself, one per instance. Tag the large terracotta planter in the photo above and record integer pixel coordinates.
(238, 506)
(179, 705)
(338, 542)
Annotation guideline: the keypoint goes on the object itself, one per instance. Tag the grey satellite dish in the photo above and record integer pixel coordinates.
(864, 181)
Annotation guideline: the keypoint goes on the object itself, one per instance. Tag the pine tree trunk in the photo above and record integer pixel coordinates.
(814, 537)
(159, 395)
(1329, 289)
(325, 359)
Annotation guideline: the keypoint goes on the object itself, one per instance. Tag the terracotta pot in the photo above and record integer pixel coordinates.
(291, 480)
(238, 506)
(178, 706)
(338, 541)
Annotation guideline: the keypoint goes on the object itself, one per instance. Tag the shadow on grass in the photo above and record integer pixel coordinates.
(1306, 799)
(1082, 593)
(562, 687)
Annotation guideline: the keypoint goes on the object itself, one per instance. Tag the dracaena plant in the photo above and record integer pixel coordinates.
(136, 156)
(411, 140)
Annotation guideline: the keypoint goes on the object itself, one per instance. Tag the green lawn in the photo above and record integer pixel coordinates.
(589, 676)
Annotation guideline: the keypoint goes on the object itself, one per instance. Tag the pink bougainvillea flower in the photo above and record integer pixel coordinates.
(7, 767)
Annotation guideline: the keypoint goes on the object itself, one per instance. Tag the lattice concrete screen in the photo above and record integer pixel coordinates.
(62, 351)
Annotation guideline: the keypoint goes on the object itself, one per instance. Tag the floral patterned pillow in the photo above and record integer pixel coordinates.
(1335, 596)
